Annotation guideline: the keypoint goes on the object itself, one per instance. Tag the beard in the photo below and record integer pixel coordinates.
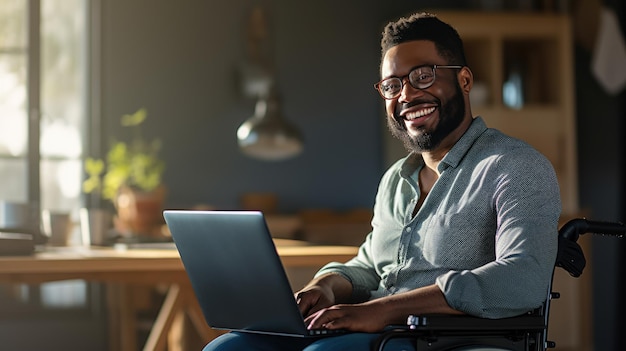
(450, 117)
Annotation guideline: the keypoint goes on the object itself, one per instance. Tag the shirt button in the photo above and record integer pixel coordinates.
(408, 229)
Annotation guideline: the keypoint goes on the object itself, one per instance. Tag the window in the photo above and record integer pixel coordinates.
(13, 100)
(63, 102)
(43, 76)
(44, 89)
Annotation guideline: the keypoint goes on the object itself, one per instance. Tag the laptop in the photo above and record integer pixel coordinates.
(236, 273)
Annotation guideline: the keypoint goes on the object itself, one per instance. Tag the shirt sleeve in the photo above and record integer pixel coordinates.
(527, 204)
(362, 271)
(359, 271)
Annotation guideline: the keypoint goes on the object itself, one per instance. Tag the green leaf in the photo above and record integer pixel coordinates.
(94, 167)
(134, 119)
(90, 184)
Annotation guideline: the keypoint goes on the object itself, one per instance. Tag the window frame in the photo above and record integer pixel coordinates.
(30, 304)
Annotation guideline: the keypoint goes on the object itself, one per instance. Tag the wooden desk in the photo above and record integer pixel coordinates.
(146, 266)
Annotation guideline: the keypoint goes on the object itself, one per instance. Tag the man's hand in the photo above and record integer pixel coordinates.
(323, 292)
(313, 298)
(366, 317)
(375, 315)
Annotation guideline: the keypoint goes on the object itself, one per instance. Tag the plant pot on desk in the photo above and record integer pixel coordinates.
(139, 213)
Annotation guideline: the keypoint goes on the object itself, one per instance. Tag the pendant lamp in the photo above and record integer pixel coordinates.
(267, 135)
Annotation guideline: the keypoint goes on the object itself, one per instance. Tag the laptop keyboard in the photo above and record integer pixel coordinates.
(326, 332)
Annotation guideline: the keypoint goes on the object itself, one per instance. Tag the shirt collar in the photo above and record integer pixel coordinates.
(452, 159)
(460, 149)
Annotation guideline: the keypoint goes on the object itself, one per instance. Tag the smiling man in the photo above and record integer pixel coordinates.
(460, 224)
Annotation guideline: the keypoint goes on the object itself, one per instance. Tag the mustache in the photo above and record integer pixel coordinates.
(416, 102)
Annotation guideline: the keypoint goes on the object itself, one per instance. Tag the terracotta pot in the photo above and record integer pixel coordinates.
(139, 212)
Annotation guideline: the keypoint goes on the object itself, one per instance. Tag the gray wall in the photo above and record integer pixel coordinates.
(180, 60)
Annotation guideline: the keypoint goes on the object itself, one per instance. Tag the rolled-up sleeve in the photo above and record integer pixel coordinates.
(527, 210)
(358, 271)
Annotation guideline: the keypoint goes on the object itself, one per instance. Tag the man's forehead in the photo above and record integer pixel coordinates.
(407, 55)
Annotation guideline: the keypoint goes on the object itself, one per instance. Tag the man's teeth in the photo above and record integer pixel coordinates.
(413, 115)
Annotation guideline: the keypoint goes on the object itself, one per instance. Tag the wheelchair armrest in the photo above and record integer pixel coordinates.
(436, 325)
(471, 323)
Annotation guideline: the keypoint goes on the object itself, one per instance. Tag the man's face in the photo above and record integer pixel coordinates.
(422, 118)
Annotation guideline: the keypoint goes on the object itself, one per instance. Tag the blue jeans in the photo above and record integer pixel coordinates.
(235, 341)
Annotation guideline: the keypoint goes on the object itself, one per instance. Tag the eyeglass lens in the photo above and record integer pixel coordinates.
(419, 78)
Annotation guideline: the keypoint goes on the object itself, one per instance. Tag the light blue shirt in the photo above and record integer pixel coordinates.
(486, 233)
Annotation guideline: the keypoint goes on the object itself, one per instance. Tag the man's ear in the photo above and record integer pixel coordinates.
(466, 79)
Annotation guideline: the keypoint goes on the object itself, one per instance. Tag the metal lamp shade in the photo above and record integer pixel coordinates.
(267, 135)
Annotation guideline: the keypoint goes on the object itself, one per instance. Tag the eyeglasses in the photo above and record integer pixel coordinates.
(420, 77)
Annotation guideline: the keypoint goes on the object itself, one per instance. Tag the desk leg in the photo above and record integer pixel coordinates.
(171, 329)
(190, 330)
(196, 317)
(157, 340)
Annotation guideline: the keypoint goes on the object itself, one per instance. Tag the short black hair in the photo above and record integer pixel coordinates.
(425, 26)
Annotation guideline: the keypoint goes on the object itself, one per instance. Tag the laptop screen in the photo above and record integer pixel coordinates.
(235, 271)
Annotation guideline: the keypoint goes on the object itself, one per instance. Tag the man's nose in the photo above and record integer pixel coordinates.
(408, 93)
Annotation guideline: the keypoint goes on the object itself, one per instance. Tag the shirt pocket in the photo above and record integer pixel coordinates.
(458, 242)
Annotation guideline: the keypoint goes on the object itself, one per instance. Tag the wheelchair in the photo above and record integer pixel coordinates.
(527, 332)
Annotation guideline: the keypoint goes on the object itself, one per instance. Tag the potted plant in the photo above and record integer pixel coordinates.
(131, 178)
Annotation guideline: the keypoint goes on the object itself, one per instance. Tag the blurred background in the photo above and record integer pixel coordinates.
(80, 65)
